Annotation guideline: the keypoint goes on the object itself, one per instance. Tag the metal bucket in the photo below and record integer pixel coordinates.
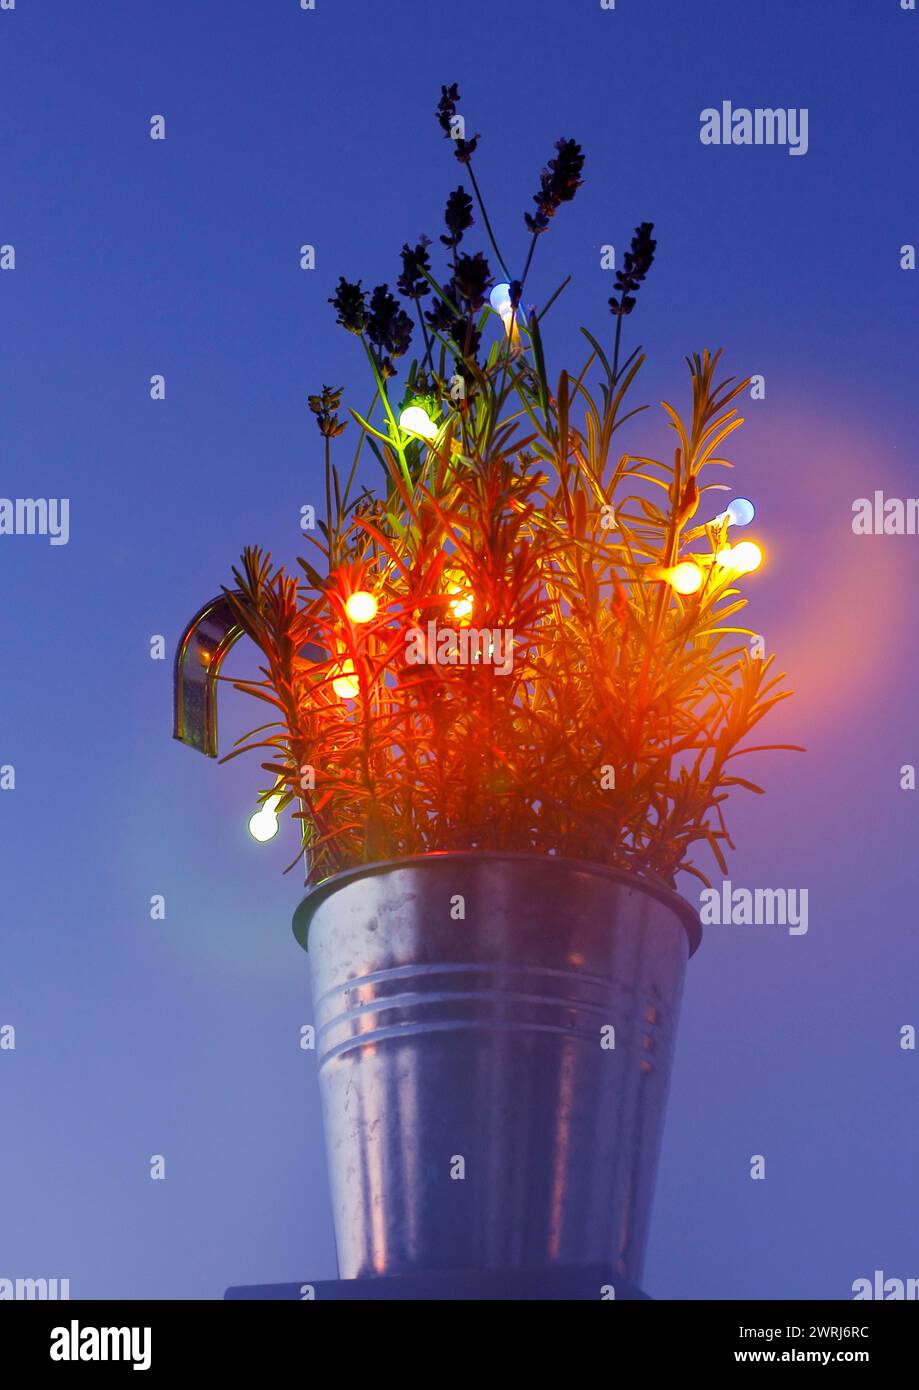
(494, 1035)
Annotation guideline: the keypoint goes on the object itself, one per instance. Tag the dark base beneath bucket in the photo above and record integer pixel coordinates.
(591, 1284)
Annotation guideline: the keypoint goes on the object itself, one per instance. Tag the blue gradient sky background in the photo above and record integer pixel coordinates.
(181, 1037)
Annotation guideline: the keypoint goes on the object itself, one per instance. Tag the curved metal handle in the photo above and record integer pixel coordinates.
(199, 656)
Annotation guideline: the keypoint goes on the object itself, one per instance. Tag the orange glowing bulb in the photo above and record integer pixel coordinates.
(361, 607)
(743, 558)
(460, 607)
(346, 683)
(747, 557)
(685, 577)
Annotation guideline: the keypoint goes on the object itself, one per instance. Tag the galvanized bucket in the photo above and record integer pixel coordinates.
(494, 1036)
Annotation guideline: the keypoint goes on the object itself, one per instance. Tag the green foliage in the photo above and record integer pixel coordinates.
(616, 733)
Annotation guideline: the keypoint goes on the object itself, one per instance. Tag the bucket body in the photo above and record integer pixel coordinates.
(494, 1036)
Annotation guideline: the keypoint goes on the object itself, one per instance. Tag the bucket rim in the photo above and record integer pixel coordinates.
(682, 910)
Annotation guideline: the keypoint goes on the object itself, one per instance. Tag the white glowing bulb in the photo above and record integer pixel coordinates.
(263, 825)
(416, 420)
(740, 513)
(500, 301)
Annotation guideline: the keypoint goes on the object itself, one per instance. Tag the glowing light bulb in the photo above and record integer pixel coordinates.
(462, 601)
(361, 607)
(685, 578)
(743, 558)
(740, 513)
(500, 301)
(346, 683)
(747, 557)
(416, 420)
(263, 825)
